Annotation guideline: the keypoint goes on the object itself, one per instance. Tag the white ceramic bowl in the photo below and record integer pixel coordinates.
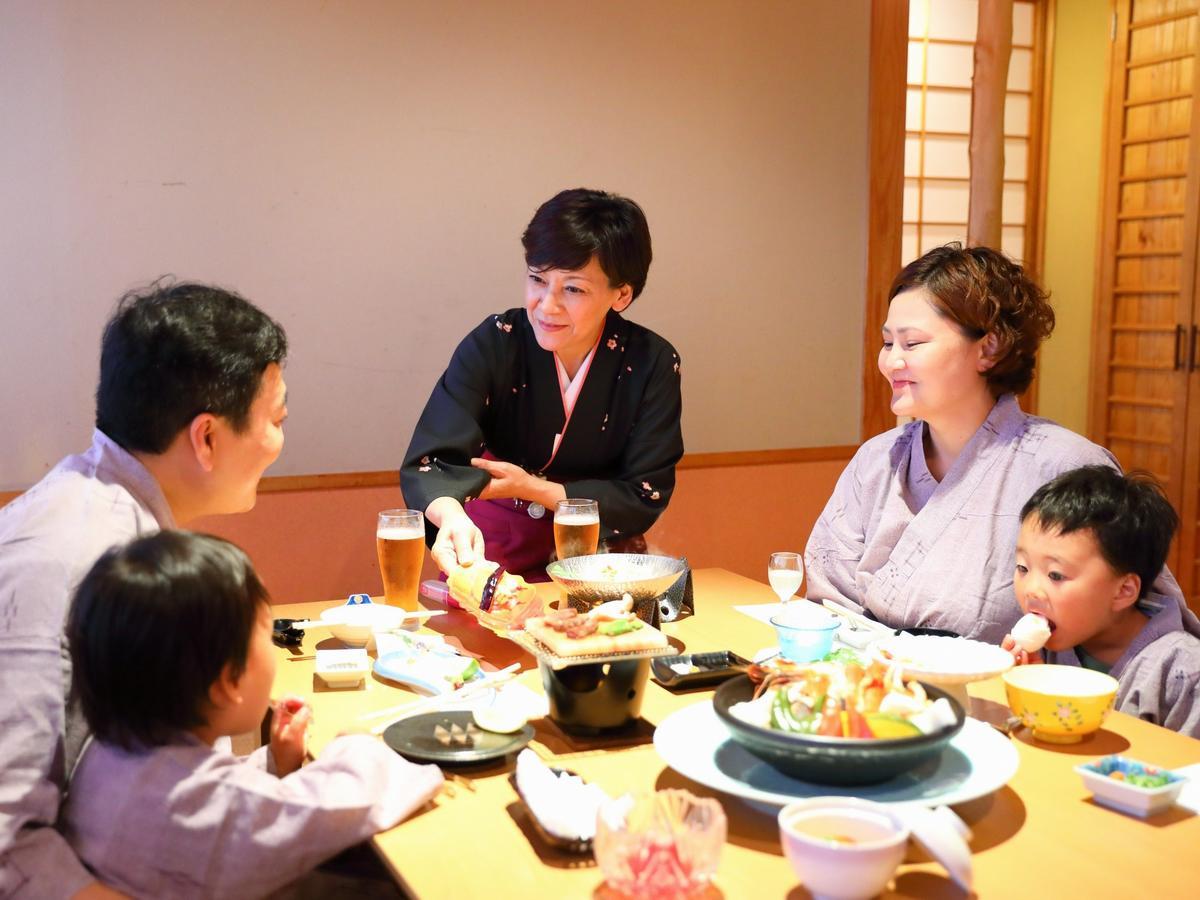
(842, 848)
(353, 625)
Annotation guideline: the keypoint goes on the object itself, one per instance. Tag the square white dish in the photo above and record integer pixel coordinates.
(1124, 795)
(342, 668)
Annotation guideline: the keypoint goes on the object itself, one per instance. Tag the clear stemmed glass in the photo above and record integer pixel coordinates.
(785, 571)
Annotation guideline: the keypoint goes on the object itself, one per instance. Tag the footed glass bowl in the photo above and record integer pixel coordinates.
(664, 845)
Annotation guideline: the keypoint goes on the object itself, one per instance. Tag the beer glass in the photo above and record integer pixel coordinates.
(400, 543)
(576, 528)
(785, 571)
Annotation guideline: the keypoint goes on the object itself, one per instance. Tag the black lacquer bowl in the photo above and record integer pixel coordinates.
(830, 760)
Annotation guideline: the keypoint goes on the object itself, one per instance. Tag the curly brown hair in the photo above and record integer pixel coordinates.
(984, 292)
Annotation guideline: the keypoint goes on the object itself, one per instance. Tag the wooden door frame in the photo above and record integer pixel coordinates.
(885, 195)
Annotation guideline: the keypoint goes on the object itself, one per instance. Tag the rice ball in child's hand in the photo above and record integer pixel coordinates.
(1031, 632)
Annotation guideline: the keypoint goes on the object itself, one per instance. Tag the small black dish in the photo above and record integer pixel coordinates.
(567, 845)
(414, 738)
(712, 668)
(284, 634)
(829, 760)
(921, 631)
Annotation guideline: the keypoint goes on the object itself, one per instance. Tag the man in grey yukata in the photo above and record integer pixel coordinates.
(189, 413)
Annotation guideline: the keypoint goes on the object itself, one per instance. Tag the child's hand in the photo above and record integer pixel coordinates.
(1020, 657)
(289, 728)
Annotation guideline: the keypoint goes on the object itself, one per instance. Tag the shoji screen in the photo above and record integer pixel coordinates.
(936, 167)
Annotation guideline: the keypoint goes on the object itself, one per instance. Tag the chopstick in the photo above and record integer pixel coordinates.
(430, 703)
(854, 618)
(419, 614)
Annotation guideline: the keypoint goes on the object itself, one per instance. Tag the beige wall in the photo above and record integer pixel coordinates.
(363, 171)
(1081, 43)
(319, 544)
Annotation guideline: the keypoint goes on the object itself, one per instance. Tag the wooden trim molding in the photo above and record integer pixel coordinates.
(276, 484)
(766, 457)
(885, 137)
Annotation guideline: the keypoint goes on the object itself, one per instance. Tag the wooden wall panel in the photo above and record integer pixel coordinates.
(1144, 317)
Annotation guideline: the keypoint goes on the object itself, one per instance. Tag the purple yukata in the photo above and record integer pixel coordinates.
(911, 551)
(185, 820)
(49, 538)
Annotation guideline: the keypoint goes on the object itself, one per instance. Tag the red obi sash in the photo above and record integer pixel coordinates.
(520, 543)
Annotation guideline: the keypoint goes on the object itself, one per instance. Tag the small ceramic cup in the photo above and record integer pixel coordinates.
(842, 848)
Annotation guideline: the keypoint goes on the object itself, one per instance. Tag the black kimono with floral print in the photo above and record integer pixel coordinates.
(500, 394)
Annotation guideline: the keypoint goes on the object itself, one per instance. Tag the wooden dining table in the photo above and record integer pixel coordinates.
(1039, 835)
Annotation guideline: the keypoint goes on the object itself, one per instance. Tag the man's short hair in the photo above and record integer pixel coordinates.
(1129, 516)
(173, 351)
(151, 628)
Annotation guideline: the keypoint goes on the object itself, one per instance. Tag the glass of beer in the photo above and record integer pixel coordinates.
(400, 543)
(576, 528)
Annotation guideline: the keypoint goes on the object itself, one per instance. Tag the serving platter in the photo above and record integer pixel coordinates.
(942, 660)
(537, 649)
(695, 743)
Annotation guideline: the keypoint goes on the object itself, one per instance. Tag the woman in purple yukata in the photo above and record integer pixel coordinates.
(922, 526)
(563, 398)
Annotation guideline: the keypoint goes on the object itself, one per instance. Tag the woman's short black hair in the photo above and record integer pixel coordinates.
(173, 351)
(151, 628)
(577, 224)
(1129, 515)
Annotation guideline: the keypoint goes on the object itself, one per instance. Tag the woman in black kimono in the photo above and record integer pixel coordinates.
(564, 398)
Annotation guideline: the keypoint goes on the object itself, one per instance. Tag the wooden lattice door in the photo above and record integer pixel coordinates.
(1145, 403)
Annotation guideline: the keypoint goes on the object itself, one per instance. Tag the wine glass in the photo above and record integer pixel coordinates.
(785, 571)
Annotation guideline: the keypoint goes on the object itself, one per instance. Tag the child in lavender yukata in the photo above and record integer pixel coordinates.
(1092, 541)
(170, 639)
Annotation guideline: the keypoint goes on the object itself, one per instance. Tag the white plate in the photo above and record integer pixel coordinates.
(694, 743)
(943, 660)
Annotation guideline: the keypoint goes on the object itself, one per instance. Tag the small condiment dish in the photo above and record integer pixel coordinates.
(842, 848)
(342, 668)
(1113, 782)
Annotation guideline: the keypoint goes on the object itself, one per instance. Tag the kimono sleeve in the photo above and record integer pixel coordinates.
(1181, 690)
(280, 828)
(634, 497)
(835, 547)
(450, 430)
(35, 860)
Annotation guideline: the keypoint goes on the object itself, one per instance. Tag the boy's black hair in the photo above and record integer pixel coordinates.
(577, 224)
(1129, 515)
(151, 628)
(173, 351)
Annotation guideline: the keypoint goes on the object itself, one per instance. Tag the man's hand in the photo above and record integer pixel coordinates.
(289, 728)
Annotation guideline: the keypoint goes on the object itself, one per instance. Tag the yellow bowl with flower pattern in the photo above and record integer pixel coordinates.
(1061, 704)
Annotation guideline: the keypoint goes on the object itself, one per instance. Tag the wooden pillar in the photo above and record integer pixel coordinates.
(885, 129)
(993, 46)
